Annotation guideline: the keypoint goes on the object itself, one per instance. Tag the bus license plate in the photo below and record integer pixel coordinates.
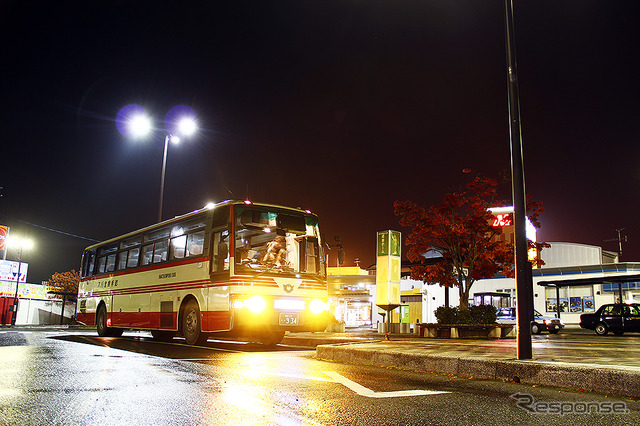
(288, 319)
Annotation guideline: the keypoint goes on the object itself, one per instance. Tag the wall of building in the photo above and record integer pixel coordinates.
(43, 312)
(571, 254)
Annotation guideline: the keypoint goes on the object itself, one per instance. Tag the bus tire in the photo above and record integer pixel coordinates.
(191, 324)
(271, 337)
(101, 322)
(114, 332)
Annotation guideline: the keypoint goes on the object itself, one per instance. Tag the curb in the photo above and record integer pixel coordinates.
(607, 380)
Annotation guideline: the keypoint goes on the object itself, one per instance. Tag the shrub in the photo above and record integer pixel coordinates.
(484, 314)
(465, 317)
(446, 315)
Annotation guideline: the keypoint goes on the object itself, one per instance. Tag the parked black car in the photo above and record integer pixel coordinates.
(614, 317)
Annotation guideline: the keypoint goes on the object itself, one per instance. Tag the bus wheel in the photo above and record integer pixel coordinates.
(271, 338)
(101, 322)
(191, 330)
(114, 332)
(162, 336)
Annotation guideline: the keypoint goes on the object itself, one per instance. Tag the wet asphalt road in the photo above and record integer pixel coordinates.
(74, 377)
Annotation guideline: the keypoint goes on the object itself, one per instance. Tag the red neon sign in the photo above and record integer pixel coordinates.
(502, 220)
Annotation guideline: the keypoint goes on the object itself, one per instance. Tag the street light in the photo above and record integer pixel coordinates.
(20, 244)
(133, 121)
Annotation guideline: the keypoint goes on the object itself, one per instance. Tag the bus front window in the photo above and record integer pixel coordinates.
(276, 241)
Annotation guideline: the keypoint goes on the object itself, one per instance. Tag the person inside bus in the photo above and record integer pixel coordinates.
(221, 251)
(276, 254)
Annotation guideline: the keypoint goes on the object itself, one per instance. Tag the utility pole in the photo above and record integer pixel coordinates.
(524, 284)
(620, 239)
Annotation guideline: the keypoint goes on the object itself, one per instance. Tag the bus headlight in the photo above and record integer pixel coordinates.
(317, 306)
(255, 304)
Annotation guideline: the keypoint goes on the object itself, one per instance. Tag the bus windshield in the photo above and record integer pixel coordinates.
(277, 241)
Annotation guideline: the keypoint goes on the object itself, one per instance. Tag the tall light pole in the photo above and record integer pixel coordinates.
(21, 244)
(524, 284)
(168, 137)
(133, 121)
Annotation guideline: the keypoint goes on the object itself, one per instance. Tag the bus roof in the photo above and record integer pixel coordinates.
(194, 213)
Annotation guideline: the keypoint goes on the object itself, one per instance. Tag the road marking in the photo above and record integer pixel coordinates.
(362, 391)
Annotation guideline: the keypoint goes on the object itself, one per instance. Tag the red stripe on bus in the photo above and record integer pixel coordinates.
(211, 320)
(146, 268)
(145, 290)
(183, 286)
(153, 288)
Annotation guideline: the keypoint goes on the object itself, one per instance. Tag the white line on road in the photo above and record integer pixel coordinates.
(362, 391)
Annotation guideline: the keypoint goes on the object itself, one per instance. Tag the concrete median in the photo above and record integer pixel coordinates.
(614, 380)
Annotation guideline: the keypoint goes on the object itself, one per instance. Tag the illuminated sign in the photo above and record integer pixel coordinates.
(28, 291)
(9, 271)
(3, 237)
(388, 265)
(502, 220)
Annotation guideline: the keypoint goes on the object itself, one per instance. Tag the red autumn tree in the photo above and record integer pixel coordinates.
(65, 282)
(460, 228)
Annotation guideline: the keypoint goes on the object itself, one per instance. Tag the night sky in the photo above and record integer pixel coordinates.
(341, 107)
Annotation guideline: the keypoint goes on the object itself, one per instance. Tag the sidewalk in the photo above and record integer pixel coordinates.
(562, 365)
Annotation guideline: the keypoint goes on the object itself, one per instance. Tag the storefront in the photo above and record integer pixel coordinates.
(351, 295)
(570, 297)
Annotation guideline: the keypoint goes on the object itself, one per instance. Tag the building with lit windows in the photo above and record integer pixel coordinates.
(351, 296)
(575, 278)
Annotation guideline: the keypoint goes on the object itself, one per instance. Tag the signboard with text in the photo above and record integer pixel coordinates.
(9, 271)
(25, 291)
(388, 265)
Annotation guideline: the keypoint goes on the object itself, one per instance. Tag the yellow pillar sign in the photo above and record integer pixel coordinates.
(388, 264)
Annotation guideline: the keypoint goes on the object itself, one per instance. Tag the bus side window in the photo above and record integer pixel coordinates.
(111, 262)
(102, 261)
(132, 261)
(89, 260)
(160, 252)
(221, 216)
(195, 244)
(220, 251)
(177, 247)
(147, 254)
(122, 260)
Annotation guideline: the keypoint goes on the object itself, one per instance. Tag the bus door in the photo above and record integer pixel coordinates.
(218, 315)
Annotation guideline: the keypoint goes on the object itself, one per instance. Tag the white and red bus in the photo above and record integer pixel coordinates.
(237, 268)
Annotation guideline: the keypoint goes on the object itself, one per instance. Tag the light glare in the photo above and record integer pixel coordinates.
(140, 125)
(187, 126)
(317, 306)
(20, 243)
(255, 304)
(181, 120)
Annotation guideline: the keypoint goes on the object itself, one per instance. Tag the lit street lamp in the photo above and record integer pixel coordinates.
(20, 244)
(133, 121)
